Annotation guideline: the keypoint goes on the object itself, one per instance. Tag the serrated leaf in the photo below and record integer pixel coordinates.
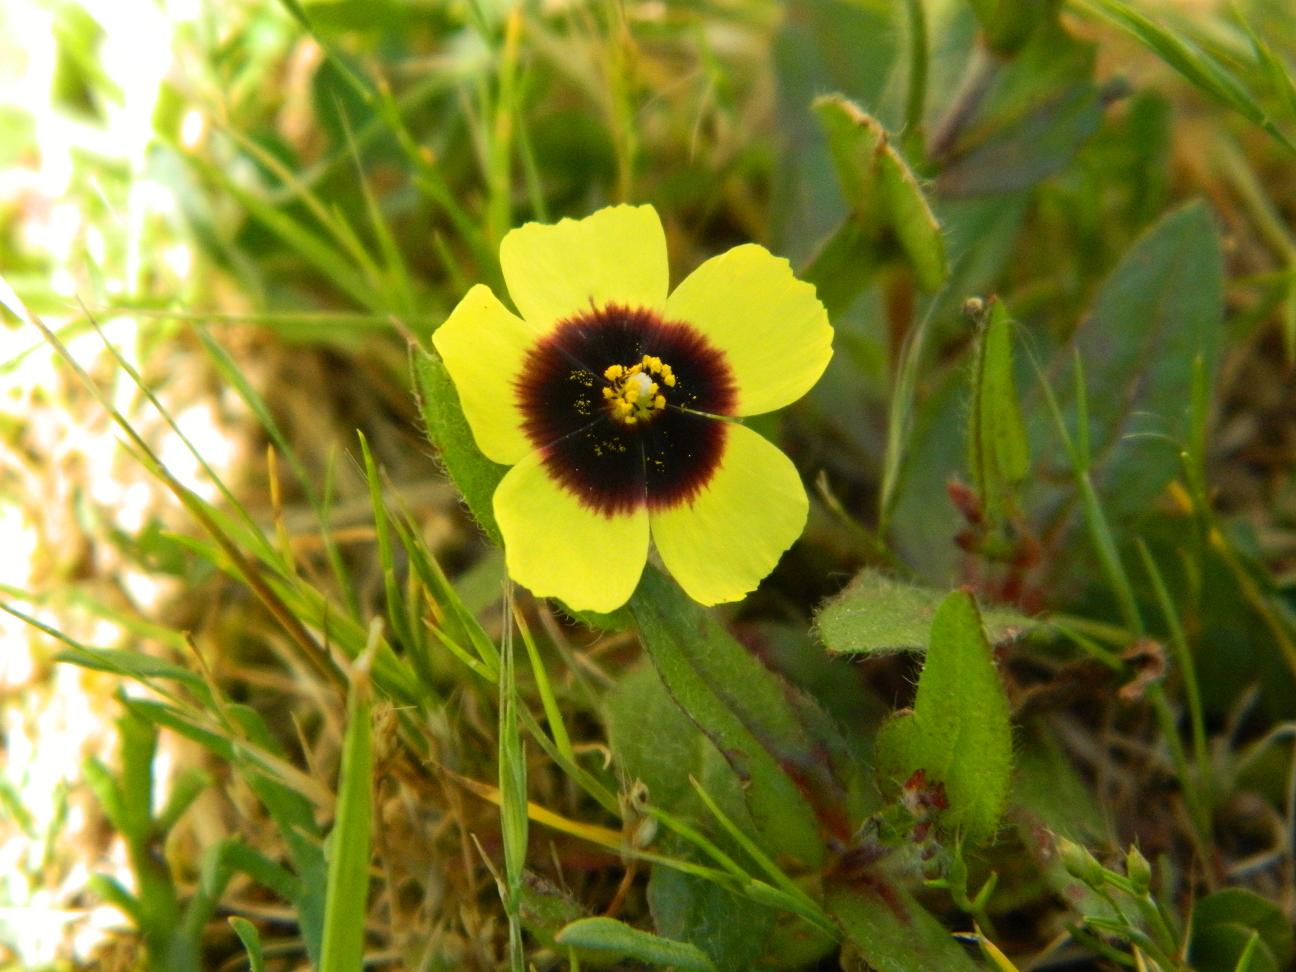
(615, 938)
(958, 732)
(998, 460)
(474, 474)
(881, 191)
(877, 614)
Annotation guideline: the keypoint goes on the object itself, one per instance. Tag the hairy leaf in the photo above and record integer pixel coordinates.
(997, 451)
(792, 782)
(891, 931)
(474, 474)
(617, 939)
(881, 191)
(958, 732)
(878, 614)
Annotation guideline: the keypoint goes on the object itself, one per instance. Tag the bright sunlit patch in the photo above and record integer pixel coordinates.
(615, 404)
(179, 260)
(198, 424)
(88, 213)
(193, 126)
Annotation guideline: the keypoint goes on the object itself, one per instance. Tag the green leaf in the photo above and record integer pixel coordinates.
(132, 664)
(1008, 23)
(732, 930)
(997, 451)
(653, 741)
(792, 784)
(1223, 922)
(513, 799)
(1202, 70)
(842, 266)
(615, 938)
(474, 474)
(1159, 310)
(1037, 113)
(823, 45)
(545, 909)
(251, 939)
(346, 902)
(958, 731)
(878, 614)
(292, 813)
(881, 191)
(891, 931)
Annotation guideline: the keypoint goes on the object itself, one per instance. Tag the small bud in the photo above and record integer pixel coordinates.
(1138, 870)
(1079, 863)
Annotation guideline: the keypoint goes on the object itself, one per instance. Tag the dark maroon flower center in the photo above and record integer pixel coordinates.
(626, 408)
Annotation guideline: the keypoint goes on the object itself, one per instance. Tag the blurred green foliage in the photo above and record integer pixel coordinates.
(1055, 240)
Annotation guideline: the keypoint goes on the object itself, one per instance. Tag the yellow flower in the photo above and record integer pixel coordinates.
(615, 405)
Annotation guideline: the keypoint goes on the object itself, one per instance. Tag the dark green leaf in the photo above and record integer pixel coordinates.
(1223, 921)
(744, 709)
(1008, 23)
(1036, 114)
(891, 931)
(823, 45)
(1159, 310)
(731, 930)
(843, 266)
(653, 741)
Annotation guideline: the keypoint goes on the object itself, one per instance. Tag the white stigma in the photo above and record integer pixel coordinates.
(642, 385)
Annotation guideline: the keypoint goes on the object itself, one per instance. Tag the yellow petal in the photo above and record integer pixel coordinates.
(771, 326)
(483, 346)
(616, 254)
(559, 548)
(720, 546)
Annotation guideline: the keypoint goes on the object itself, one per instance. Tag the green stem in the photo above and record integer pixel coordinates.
(916, 96)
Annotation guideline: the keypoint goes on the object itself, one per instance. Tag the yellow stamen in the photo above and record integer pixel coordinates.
(635, 391)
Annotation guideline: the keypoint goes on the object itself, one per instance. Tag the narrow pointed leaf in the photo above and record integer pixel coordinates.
(346, 903)
(997, 451)
(615, 939)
